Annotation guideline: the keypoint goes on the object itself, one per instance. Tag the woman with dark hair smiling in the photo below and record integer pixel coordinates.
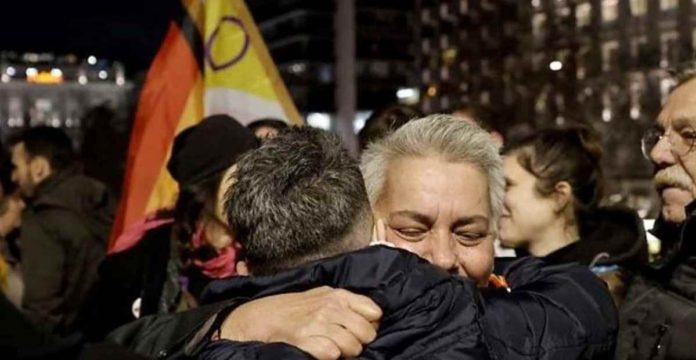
(551, 208)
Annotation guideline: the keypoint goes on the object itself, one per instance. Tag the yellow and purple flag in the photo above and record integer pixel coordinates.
(211, 61)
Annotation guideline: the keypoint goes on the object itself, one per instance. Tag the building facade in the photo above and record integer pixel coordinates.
(543, 63)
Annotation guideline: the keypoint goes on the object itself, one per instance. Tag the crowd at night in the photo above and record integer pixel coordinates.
(358, 179)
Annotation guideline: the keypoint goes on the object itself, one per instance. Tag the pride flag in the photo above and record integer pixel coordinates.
(211, 61)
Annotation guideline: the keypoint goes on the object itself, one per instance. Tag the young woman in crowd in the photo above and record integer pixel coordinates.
(551, 208)
(162, 264)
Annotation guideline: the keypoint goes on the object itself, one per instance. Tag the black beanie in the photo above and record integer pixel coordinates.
(211, 146)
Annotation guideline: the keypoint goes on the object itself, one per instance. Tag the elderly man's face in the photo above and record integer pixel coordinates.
(674, 156)
(439, 210)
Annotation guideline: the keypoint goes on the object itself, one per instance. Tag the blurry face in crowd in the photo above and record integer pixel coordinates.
(266, 132)
(10, 214)
(674, 156)
(526, 213)
(466, 116)
(28, 171)
(439, 210)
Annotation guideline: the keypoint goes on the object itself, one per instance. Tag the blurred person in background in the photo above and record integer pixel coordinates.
(658, 317)
(162, 264)
(267, 127)
(65, 227)
(384, 121)
(11, 207)
(551, 209)
(481, 116)
(446, 212)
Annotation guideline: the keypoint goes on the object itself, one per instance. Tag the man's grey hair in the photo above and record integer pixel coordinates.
(299, 197)
(438, 135)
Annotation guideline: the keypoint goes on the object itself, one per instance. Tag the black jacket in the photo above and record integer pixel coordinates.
(609, 236)
(658, 317)
(550, 312)
(149, 271)
(65, 228)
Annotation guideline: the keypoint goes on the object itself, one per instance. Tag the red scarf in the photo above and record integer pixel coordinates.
(221, 266)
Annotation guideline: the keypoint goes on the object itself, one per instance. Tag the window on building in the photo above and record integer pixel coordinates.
(668, 4)
(639, 7)
(444, 102)
(538, 61)
(610, 50)
(444, 10)
(583, 14)
(444, 74)
(485, 67)
(425, 16)
(426, 76)
(582, 61)
(638, 46)
(485, 98)
(464, 66)
(444, 42)
(538, 23)
(669, 50)
(463, 6)
(610, 10)
(426, 45)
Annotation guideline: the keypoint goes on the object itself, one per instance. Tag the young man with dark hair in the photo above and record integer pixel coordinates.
(65, 227)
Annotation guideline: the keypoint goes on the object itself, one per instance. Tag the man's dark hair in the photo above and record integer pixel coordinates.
(51, 143)
(298, 198)
(268, 122)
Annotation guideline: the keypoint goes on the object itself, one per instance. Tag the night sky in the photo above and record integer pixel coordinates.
(125, 30)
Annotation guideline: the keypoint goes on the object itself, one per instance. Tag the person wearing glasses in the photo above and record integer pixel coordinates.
(162, 264)
(658, 317)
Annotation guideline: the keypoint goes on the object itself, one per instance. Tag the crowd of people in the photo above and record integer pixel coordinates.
(281, 244)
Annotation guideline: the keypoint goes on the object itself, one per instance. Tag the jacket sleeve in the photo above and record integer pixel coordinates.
(230, 350)
(171, 335)
(551, 312)
(43, 261)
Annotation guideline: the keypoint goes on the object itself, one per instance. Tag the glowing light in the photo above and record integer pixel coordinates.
(555, 65)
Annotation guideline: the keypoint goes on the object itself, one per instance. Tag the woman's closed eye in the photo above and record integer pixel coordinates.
(470, 237)
(410, 233)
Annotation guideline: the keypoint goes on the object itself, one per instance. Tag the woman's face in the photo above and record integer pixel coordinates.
(526, 213)
(439, 210)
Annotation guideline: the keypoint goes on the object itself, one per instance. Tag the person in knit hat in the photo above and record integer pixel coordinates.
(162, 264)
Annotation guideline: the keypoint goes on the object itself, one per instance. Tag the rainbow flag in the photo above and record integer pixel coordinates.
(211, 61)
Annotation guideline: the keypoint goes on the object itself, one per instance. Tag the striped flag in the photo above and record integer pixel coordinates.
(211, 61)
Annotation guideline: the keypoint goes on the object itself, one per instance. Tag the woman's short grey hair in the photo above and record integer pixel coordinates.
(683, 72)
(439, 135)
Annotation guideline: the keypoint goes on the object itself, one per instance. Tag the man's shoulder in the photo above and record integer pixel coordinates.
(363, 271)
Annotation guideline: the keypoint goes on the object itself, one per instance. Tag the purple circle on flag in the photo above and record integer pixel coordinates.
(217, 66)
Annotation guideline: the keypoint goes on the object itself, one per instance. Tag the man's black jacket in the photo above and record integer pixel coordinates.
(551, 312)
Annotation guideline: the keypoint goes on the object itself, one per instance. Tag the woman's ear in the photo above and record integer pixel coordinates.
(563, 195)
